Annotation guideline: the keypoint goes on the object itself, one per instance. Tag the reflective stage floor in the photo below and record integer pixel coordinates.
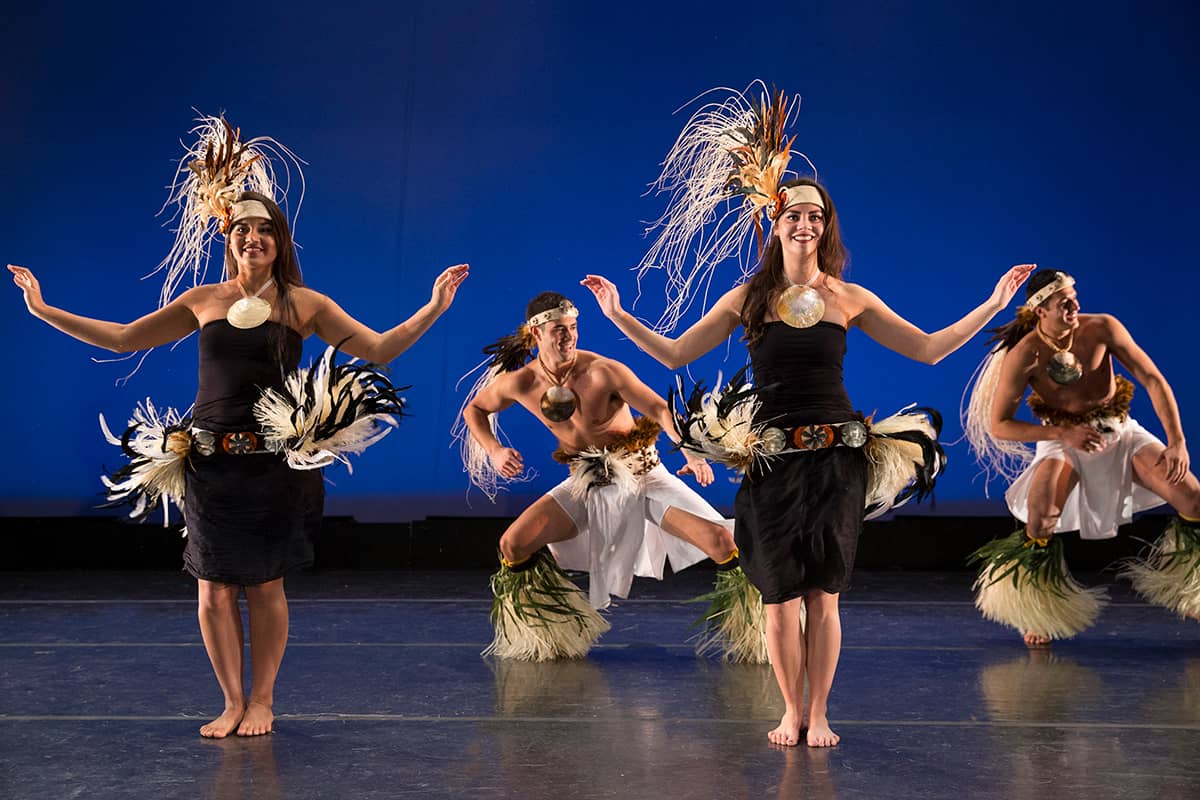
(104, 682)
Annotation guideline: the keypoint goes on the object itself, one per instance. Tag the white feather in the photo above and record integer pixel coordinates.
(290, 420)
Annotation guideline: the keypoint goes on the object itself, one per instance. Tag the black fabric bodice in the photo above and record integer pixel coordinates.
(806, 366)
(235, 366)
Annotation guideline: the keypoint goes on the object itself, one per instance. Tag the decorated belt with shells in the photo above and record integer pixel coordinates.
(235, 443)
(815, 437)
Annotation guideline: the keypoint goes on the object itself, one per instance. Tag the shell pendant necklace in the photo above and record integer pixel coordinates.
(1063, 367)
(558, 402)
(251, 311)
(800, 305)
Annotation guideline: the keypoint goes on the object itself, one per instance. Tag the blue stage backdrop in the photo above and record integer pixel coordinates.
(956, 138)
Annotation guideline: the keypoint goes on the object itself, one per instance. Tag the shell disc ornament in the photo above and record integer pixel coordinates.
(249, 312)
(1064, 368)
(558, 403)
(800, 306)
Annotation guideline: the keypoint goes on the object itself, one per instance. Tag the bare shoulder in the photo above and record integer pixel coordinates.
(306, 298)
(588, 361)
(1106, 323)
(852, 291)
(1024, 352)
(733, 300)
(198, 299)
(511, 384)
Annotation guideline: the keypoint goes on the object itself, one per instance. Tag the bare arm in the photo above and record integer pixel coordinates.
(643, 399)
(493, 399)
(1135, 359)
(1010, 389)
(712, 329)
(167, 324)
(894, 332)
(333, 325)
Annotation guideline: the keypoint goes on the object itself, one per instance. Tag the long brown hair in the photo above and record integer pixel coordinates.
(769, 281)
(285, 270)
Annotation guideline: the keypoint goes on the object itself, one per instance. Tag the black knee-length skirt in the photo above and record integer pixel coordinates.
(798, 522)
(250, 518)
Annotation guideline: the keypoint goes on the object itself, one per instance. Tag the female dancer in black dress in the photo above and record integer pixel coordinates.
(798, 520)
(250, 518)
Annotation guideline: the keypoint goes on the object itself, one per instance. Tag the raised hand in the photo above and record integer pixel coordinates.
(447, 284)
(606, 294)
(1009, 282)
(29, 285)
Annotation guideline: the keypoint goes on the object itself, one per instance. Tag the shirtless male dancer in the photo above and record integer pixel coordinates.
(611, 516)
(1094, 465)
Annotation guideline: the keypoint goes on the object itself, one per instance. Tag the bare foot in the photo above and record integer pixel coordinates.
(223, 725)
(788, 732)
(1036, 640)
(820, 735)
(258, 720)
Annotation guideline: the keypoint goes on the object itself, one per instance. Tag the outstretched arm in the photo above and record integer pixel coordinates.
(1134, 358)
(712, 329)
(493, 399)
(896, 333)
(638, 395)
(167, 324)
(334, 326)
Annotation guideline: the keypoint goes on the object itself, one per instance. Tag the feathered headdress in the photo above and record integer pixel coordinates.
(217, 167)
(723, 176)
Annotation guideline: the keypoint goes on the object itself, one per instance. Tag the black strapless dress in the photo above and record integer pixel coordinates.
(250, 518)
(798, 519)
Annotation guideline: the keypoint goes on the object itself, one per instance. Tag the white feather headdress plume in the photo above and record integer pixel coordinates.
(722, 175)
(215, 169)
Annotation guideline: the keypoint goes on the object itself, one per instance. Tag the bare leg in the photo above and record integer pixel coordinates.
(715, 540)
(540, 524)
(221, 629)
(268, 638)
(1053, 481)
(823, 634)
(785, 644)
(1184, 496)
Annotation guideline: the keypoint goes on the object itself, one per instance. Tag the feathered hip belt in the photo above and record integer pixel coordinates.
(904, 457)
(621, 462)
(323, 414)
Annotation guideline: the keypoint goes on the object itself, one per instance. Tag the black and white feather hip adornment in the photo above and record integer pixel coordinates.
(157, 446)
(328, 412)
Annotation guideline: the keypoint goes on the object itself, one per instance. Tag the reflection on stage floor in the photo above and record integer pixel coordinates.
(104, 682)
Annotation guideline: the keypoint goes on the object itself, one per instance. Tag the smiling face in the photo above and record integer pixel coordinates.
(252, 245)
(800, 228)
(556, 339)
(1060, 311)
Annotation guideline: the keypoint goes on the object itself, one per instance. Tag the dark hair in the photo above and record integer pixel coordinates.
(544, 302)
(1008, 334)
(1040, 280)
(769, 281)
(285, 270)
